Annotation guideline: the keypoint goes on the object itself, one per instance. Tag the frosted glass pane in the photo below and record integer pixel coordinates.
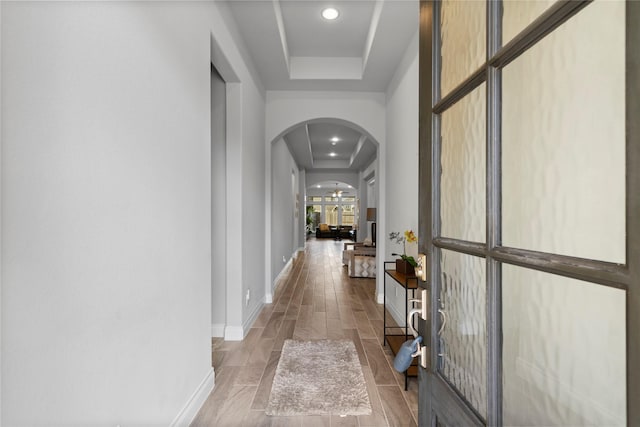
(464, 338)
(463, 40)
(563, 154)
(517, 14)
(563, 351)
(463, 168)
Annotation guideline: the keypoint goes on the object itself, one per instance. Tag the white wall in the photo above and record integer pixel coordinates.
(218, 205)
(253, 204)
(302, 216)
(1, 316)
(245, 202)
(315, 177)
(283, 221)
(368, 198)
(401, 154)
(106, 216)
(288, 108)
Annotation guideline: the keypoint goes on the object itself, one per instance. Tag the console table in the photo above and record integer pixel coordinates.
(392, 334)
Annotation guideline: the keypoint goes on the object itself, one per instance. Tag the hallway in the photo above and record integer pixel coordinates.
(315, 300)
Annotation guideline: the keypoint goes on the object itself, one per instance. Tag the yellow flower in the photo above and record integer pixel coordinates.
(410, 236)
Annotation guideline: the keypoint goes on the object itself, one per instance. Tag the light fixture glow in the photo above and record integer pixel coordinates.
(335, 139)
(333, 143)
(319, 186)
(332, 154)
(330, 13)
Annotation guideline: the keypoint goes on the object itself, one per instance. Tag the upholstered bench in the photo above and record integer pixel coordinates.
(359, 259)
(362, 265)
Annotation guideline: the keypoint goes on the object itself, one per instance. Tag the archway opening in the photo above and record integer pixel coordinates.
(329, 162)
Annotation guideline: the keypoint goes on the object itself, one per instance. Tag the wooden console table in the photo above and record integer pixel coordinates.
(391, 337)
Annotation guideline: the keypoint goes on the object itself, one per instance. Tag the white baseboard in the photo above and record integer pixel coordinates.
(237, 333)
(217, 330)
(252, 318)
(195, 402)
(268, 299)
(233, 333)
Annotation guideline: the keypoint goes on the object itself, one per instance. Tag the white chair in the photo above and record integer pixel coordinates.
(359, 259)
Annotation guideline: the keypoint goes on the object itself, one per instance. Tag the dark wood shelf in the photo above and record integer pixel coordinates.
(409, 282)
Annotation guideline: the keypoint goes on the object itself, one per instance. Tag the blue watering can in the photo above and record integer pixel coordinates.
(408, 351)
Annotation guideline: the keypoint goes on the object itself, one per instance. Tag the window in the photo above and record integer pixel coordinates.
(348, 214)
(331, 214)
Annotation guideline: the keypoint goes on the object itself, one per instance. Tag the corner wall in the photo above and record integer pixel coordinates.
(1, 139)
(218, 204)
(106, 209)
(401, 175)
(283, 219)
(253, 204)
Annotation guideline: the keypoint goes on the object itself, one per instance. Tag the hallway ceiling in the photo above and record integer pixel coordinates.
(330, 146)
(294, 48)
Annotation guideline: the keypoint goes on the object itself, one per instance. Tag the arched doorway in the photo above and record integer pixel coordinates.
(332, 153)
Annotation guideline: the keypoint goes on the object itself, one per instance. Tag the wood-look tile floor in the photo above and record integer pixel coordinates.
(316, 299)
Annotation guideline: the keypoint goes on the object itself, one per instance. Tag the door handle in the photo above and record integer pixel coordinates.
(443, 315)
(422, 311)
(423, 303)
(410, 321)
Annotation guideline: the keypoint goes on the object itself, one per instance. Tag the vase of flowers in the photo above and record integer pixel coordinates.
(406, 263)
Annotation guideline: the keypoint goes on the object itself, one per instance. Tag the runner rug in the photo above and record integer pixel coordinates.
(321, 377)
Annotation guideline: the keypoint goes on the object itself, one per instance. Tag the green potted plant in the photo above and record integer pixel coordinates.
(309, 219)
(406, 263)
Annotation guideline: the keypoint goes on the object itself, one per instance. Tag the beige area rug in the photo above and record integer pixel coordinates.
(321, 377)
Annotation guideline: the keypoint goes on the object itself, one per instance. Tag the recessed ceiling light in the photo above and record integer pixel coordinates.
(319, 186)
(333, 143)
(330, 13)
(332, 154)
(335, 139)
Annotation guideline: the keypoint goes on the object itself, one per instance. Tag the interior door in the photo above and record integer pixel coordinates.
(530, 212)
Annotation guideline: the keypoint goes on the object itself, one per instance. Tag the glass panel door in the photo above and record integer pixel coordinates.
(463, 340)
(530, 167)
(563, 139)
(564, 352)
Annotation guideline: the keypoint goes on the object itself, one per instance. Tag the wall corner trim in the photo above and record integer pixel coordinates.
(217, 330)
(380, 298)
(195, 402)
(268, 298)
(233, 333)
